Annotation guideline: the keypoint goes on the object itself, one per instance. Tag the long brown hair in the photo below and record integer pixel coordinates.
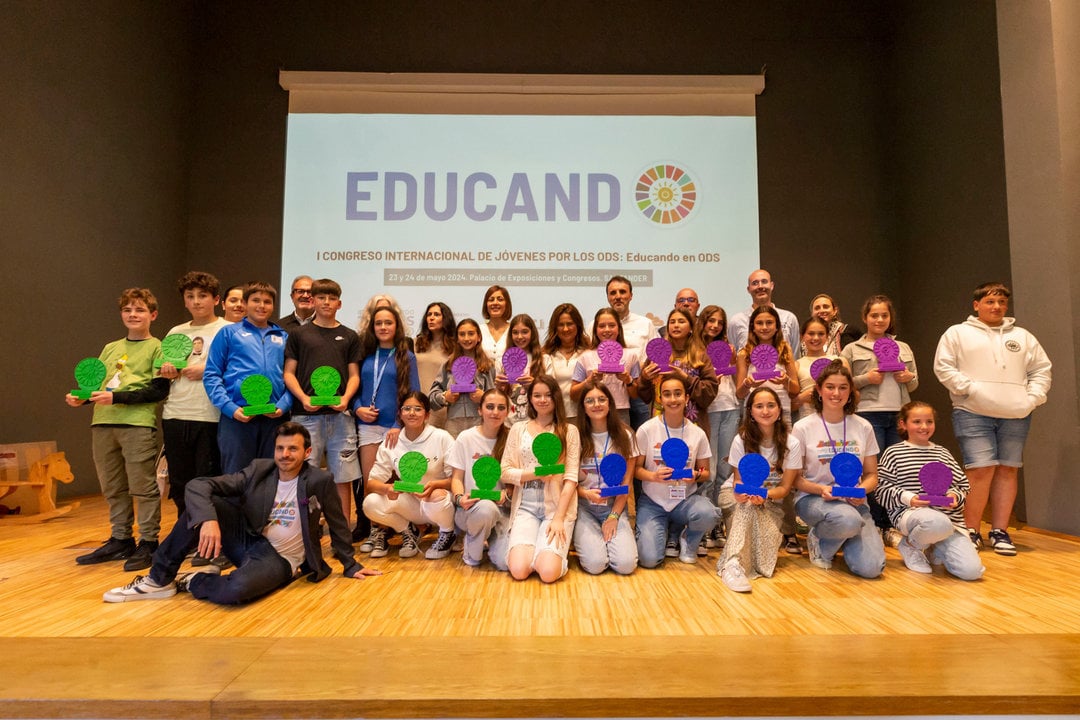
(424, 337)
(751, 433)
(500, 438)
(778, 341)
(560, 410)
(836, 367)
(536, 353)
(483, 364)
(616, 428)
(369, 344)
(552, 342)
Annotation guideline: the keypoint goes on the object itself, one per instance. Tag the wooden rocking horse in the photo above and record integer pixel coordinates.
(42, 477)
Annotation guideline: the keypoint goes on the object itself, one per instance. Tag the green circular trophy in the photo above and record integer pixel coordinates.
(486, 472)
(175, 349)
(325, 381)
(256, 390)
(411, 468)
(547, 447)
(89, 373)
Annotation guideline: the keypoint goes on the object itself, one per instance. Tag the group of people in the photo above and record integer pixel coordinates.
(736, 431)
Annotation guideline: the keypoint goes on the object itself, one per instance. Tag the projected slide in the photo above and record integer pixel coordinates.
(439, 207)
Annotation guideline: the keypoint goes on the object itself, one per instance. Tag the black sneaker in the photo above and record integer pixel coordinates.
(442, 545)
(143, 557)
(976, 538)
(112, 549)
(198, 560)
(410, 543)
(1001, 542)
(791, 545)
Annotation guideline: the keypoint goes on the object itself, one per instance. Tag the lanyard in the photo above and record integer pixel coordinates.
(603, 454)
(832, 442)
(379, 373)
(668, 430)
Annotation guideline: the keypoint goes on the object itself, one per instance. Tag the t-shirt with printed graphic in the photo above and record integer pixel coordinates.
(650, 437)
(590, 466)
(793, 460)
(129, 365)
(821, 441)
(283, 528)
(187, 398)
(470, 446)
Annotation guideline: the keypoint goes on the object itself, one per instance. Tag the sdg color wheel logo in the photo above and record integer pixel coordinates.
(665, 194)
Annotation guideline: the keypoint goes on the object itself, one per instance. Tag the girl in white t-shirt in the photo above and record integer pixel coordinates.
(764, 329)
(623, 385)
(603, 537)
(665, 500)
(482, 521)
(755, 529)
(403, 510)
(837, 522)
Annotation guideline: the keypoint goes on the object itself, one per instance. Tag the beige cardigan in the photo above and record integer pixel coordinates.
(512, 468)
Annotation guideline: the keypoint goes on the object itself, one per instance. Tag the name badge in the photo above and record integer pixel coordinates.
(677, 492)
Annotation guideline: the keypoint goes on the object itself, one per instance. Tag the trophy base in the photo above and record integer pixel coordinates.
(492, 495)
(848, 492)
(614, 491)
(82, 394)
(325, 400)
(252, 410)
(408, 487)
(178, 364)
(744, 489)
(463, 388)
(891, 367)
(547, 470)
(937, 500)
(765, 375)
(731, 370)
(681, 475)
(615, 369)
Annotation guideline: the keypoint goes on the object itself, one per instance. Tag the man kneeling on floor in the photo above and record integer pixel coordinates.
(265, 519)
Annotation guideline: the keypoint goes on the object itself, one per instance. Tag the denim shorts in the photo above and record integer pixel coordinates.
(987, 441)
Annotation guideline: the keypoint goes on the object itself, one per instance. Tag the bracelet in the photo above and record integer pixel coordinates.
(457, 499)
(612, 516)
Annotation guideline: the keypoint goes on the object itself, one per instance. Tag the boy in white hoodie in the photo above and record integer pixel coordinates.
(996, 374)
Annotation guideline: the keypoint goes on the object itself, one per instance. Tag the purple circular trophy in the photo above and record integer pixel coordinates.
(514, 362)
(888, 355)
(753, 469)
(818, 366)
(720, 354)
(613, 472)
(846, 469)
(675, 452)
(764, 359)
(610, 352)
(935, 478)
(659, 351)
(463, 369)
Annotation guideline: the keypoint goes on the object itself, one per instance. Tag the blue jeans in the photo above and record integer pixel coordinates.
(595, 556)
(839, 524)
(259, 568)
(241, 442)
(695, 513)
(886, 434)
(987, 441)
(926, 527)
(334, 434)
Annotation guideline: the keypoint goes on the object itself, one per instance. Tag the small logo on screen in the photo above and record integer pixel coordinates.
(665, 194)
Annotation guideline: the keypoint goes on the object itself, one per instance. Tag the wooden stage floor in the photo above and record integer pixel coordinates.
(439, 639)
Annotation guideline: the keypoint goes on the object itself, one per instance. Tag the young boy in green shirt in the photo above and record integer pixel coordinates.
(124, 433)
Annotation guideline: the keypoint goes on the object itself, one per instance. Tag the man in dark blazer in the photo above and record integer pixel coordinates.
(265, 519)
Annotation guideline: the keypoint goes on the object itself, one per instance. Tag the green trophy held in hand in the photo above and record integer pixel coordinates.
(175, 349)
(325, 380)
(411, 469)
(547, 447)
(257, 389)
(486, 472)
(89, 373)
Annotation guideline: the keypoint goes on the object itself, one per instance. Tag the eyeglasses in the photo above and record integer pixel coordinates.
(298, 291)
(410, 409)
(492, 407)
(602, 400)
(686, 300)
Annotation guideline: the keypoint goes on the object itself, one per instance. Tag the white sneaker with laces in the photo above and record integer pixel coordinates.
(141, 588)
(813, 549)
(735, 579)
(914, 558)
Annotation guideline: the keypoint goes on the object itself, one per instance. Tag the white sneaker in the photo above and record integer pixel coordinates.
(914, 558)
(735, 579)
(687, 554)
(813, 549)
(141, 588)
